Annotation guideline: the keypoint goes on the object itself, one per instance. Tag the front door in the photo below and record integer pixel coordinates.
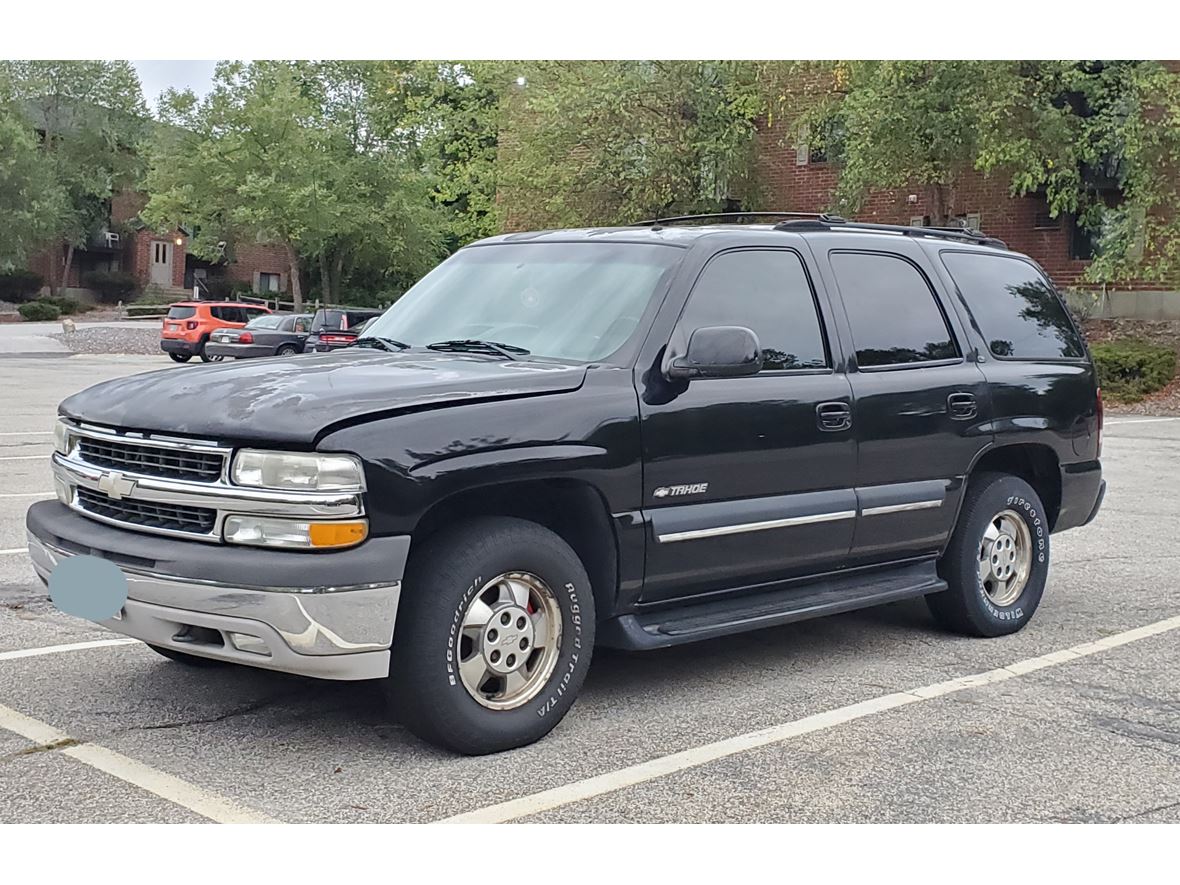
(161, 264)
(749, 480)
(921, 406)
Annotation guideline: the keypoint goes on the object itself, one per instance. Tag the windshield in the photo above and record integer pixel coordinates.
(330, 320)
(267, 321)
(571, 301)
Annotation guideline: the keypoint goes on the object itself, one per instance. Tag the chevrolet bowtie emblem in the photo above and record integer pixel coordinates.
(115, 485)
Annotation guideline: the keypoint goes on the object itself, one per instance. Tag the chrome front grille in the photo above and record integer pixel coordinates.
(148, 515)
(174, 463)
(172, 486)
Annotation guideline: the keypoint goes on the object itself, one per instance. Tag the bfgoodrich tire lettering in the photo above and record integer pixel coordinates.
(452, 571)
(997, 561)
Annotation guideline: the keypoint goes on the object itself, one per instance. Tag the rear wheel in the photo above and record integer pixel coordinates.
(998, 559)
(181, 357)
(494, 635)
(204, 355)
(185, 658)
(287, 350)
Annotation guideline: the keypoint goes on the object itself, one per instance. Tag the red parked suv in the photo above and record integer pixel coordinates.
(188, 324)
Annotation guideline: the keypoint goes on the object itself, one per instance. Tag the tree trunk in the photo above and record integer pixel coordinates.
(338, 272)
(296, 283)
(939, 204)
(325, 278)
(65, 269)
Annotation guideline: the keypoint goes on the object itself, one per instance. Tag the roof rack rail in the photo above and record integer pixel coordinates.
(833, 222)
(677, 219)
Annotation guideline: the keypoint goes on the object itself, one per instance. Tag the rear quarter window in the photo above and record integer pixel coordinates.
(1015, 306)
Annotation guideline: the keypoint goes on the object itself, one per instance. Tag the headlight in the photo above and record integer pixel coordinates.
(265, 531)
(297, 471)
(61, 437)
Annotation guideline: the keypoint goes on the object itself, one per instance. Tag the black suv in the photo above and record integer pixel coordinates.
(334, 328)
(629, 437)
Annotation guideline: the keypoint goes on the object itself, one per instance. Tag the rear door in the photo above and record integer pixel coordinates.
(921, 407)
(749, 479)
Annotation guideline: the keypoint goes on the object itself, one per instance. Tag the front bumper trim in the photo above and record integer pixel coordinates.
(343, 634)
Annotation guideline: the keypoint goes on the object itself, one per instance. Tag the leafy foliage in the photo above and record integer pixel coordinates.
(87, 119)
(290, 152)
(1128, 370)
(32, 199)
(39, 311)
(1080, 133)
(19, 285)
(112, 286)
(608, 142)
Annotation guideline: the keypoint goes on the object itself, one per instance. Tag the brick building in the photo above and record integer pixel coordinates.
(160, 260)
(795, 178)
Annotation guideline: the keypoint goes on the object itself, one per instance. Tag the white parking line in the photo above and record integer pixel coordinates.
(159, 783)
(1117, 421)
(665, 765)
(24, 458)
(56, 649)
(27, 495)
(27, 433)
(11, 550)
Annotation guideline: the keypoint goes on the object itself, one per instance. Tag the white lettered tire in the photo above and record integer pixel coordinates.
(494, 635)
(997, 561)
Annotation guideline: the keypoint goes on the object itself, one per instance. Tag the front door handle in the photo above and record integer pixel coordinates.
(833, 416)
(962, 406)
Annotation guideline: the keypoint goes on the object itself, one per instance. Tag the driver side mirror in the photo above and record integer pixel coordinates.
(718, 352)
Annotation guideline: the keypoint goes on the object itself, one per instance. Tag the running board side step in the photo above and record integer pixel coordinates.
(815, 599)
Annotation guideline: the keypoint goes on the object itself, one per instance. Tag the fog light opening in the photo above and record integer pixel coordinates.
(252, 644)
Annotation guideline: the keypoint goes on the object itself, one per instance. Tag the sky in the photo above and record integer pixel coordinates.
(156, 76)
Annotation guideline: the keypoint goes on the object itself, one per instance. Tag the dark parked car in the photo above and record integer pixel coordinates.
(336, 328)
(273, 335)
(630, 437)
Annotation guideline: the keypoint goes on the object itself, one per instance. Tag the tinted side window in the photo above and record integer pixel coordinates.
(766, 291)
(894, 316)
(1017, 310)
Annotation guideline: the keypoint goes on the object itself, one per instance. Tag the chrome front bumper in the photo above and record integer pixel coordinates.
(327, 632)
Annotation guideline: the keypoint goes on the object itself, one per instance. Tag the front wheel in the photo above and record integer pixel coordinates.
(494, 636)
(997, 561)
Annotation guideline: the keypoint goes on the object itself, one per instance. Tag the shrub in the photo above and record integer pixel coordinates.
(227, 290)
(1128, 370)
(19, 285)
(112, 285)
(66, 304)
(39, 311)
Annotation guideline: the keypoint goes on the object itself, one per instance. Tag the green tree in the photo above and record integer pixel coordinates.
(288, 152)
(615, 141)
(90, 119)
(29, 193)
(448, 114)
(1055, 127)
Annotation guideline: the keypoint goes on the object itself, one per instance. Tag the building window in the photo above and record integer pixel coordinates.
(268, 282)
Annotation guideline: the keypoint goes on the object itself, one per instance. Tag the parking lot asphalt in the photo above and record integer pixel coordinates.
(859, 717)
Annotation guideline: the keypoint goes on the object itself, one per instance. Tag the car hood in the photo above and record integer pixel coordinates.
(295, 400)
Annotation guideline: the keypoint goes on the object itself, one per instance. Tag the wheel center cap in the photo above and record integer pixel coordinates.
(1002, 556)
(507, 640)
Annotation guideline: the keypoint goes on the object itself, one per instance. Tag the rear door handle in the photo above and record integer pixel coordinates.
(962, 406)
(833, 416)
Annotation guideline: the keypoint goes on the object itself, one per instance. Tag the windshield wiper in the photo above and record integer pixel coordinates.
(389, 344)
(508, 351)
